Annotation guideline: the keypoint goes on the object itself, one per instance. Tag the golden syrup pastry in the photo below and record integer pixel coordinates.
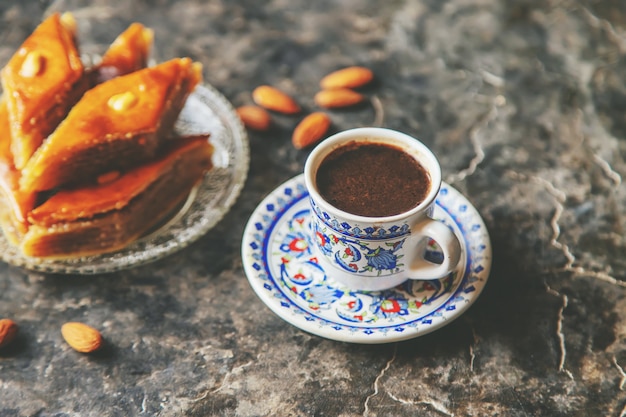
(118, 124)
(106, 217)
(89, 161)
(41, 82)
(129, 52)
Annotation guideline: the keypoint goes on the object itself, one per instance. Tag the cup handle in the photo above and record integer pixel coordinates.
(423, 269)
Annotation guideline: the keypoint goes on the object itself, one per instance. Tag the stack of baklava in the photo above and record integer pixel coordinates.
(89, 160)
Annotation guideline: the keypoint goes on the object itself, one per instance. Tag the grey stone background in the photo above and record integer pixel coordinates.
(524, 102)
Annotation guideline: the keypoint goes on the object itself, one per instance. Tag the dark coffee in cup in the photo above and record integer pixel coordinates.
(372, 179)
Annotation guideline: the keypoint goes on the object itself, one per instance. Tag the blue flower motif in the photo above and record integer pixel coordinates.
(321, 296)
(382, 259)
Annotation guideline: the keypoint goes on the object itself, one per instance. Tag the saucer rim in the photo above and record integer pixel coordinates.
(355, 333)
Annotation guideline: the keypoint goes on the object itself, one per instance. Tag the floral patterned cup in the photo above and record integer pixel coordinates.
(376, 253)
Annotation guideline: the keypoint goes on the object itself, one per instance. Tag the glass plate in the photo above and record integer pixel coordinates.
(206, 111)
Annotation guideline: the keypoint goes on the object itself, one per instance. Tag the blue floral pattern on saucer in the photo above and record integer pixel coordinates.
(282, 267)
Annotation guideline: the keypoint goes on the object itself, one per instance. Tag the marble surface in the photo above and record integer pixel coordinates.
(523, 101)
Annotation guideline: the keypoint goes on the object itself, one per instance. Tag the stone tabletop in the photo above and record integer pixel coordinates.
(523, 101)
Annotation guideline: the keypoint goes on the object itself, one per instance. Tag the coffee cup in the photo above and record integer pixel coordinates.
(372, 192)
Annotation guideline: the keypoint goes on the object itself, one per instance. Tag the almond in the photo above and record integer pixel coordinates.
(339, 97)
(254, 117)
(8, 330)
(81, 337)
(273, 99)
(32, 65)
(122, 101)
(310, 130)
(69, 22)
(351, 77)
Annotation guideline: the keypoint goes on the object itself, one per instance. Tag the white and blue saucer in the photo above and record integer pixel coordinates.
(282, 267)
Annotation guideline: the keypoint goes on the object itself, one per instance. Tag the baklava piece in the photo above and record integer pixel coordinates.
(117, 124)
(128, 53)
(41, 82)
(108, 216)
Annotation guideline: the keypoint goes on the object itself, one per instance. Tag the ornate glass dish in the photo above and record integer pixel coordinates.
(206, 111)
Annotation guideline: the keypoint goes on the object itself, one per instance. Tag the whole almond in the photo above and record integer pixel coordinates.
(310, 130)
(8, 330)
(273, 99)
(351, 77)
(254, 117)
(339, 97)
(81, 337)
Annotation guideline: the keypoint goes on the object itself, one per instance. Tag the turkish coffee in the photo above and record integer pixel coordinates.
(372, 179)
